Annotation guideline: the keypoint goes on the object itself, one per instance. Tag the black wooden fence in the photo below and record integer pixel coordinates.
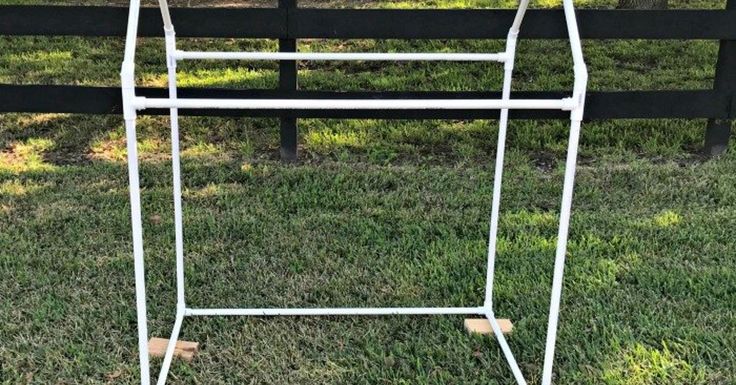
(289, 23)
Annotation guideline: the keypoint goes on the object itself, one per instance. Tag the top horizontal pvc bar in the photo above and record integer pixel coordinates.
(566, 104)
(337, 56)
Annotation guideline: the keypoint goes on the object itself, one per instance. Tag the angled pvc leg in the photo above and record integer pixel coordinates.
(164, 5)
(495, 211)
(567, 193)
(170, 348)
(140, 278)
(501, 151)
(581, 81)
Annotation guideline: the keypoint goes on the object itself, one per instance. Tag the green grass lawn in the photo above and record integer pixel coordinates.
(376, 213)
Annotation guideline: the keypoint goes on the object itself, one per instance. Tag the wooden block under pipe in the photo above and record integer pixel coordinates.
(184, 349)
(483, 326)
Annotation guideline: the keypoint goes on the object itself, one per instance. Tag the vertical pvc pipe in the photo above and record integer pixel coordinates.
(567, 193)
(501, 151)
(176, 170)
(497, 187)
(576, 116)
(137, 226)
(127, 79)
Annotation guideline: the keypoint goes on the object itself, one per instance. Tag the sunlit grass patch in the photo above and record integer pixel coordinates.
(642, 365)
(228, 77)
(527, 243)
(600, 275)
(202, 150)
(112, 148)
(45, 58)
(29, 120)
(385, 140)
(154, 142)
(18, 188)
(603, 271)
(667, 219)
(39, 63)
(27, 156)
(327, 141)
(6, 209)
(209, 190)
(63, 210)
(533, 218)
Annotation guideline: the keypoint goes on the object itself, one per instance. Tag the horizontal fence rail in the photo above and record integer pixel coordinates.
(300, 23)
(600, 105)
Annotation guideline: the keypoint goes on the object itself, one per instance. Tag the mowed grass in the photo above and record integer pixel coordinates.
(376, 213)
(649, 290)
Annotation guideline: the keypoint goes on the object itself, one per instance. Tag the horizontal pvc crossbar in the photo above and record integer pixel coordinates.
(566, 104)
(337, 311)
(315, 56)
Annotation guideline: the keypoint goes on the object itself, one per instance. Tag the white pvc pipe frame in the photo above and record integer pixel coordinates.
(132, 103)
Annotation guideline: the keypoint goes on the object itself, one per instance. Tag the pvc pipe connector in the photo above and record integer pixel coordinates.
(170, 38)
(127, 86)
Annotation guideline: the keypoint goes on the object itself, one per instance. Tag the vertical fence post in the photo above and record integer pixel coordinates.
(288, 82)
(718, 132)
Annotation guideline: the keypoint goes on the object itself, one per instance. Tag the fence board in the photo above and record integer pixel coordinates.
(112, 21)
(483, 24)
(601, 105)
(366, 23)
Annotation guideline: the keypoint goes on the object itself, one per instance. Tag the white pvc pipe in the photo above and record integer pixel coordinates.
(581, 80)
(176, 172)
(520, 12)
(497, 187)
(170, 348)
(164, 5)
(127, 83)
(355, 104)
(140, 270)
(579, 66)
(190, 55)
(572, 29)
(567, 193)
(336, 311)
(506, 349)
(132, 32)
